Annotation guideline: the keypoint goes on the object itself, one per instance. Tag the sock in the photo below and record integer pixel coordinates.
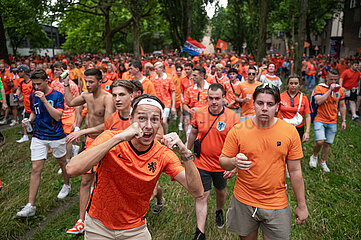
(323, 160)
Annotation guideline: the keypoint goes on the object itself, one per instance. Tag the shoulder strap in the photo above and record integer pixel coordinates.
(210, 128)
(299, 104)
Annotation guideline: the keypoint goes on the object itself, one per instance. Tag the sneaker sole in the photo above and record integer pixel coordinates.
(220, 227)
(77, 233)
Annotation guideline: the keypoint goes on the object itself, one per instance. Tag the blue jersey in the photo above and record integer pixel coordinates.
(46, 127)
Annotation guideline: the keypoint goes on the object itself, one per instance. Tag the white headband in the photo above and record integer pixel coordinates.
(149, 101)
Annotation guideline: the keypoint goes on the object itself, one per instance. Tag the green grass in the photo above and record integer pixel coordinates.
(333, 199)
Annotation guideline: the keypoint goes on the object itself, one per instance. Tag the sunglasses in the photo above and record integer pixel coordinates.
(267, 85)
(292, 102)
(252, 74)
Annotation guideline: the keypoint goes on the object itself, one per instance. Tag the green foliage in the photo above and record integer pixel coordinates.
(22, 21)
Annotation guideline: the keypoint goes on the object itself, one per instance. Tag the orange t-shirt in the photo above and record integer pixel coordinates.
(350, 79)
(221, 80)
(50, 74)
(186, 83)
(164, 89)
(341, 67)
(148, 86)
(127, 76)
(195, 97)
(177, 84)
(212, 144)
(231, 92)
(58, 86)
(327, 111)
(111, 76)
(263, 185)
(125, 182)
(26, 89)
(287, 111)
(116, 122)
(243, 89)
(106, 85)
(6, 77)
(243, 70)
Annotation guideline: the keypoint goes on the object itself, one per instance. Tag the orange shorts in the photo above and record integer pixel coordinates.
(84, 112)
(68, 123)
(88, 142)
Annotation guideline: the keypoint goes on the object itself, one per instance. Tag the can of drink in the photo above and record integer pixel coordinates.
(64, 74)
(16, 98)
(29, 128)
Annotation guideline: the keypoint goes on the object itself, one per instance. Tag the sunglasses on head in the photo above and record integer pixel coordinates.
(251, 73)
(267, 85)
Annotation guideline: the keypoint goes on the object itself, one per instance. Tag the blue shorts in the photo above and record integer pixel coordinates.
(325, 131)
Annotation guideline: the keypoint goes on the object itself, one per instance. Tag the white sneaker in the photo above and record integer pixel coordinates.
(324, 167)
(65, 190)
(355, 116)
(75, 150)
(27, 211)
(13, 123)
(313, 161)
(180, 126)
(60, 171)
(4, 121)
(25, 138)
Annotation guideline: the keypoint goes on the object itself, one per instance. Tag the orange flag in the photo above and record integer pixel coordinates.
(141, 51)
(306, 44)
(221, 44)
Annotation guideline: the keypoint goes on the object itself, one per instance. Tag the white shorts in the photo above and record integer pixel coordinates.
(39, 148)
(166, 112)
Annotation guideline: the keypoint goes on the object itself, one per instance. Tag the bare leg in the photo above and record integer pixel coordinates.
(165, 125)
(353, 107)
(86, 183)
(201, 211)
(325, 150)
(35, 179)
(221, 198)
(317, 147)
(62, 163)
(14, 111)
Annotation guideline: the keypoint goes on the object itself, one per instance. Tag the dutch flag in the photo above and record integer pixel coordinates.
(193, 47)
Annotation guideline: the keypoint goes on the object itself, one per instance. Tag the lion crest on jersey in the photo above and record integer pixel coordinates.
(221, 125)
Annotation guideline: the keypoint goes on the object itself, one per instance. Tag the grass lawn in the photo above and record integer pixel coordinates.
(333, 199)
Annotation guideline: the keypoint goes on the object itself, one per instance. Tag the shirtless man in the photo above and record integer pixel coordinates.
(100, 106)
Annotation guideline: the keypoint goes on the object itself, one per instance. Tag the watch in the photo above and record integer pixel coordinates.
(190, 156)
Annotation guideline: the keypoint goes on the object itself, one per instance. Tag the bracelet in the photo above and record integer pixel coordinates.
(190, 156)
(66, 85)
(344, 120)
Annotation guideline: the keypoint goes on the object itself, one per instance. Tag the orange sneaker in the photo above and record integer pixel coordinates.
(78, 228)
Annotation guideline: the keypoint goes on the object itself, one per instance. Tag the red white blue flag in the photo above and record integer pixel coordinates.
(193, 47)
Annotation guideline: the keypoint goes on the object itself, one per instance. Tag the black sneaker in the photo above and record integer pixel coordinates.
(199, 235)
(219, 218)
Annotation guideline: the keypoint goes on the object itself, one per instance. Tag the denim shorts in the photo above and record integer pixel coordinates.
(325, 131)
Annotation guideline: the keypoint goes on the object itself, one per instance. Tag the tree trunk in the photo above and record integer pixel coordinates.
(189, 18)
(136, 38)
(262, 30)
(301, 35)
(308, 37)
(3, 48)
(107, 33)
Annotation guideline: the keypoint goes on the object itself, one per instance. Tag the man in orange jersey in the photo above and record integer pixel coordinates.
(178, 92)
(230, 88)
(120, 202)
(122, 92)
(270, 76)
(259, 196)
(243, 68)
(24, 91)
(350, 81)
(186, 83)
(100, 106)
(245, 91)
(10, 85)
(329, 97)
(70, 114)
(111, 74)
(310, 68)
(165, 92)
(220, 77)
(106, 82)
(197, 95)
(211, 124)
(135, 69)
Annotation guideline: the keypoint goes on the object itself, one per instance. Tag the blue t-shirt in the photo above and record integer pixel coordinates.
(46, 128)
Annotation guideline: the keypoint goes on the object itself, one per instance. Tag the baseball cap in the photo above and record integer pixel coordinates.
(23, 68)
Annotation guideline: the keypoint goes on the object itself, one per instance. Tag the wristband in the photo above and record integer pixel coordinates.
(344, 120)
(76, 129)
(190, 156)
